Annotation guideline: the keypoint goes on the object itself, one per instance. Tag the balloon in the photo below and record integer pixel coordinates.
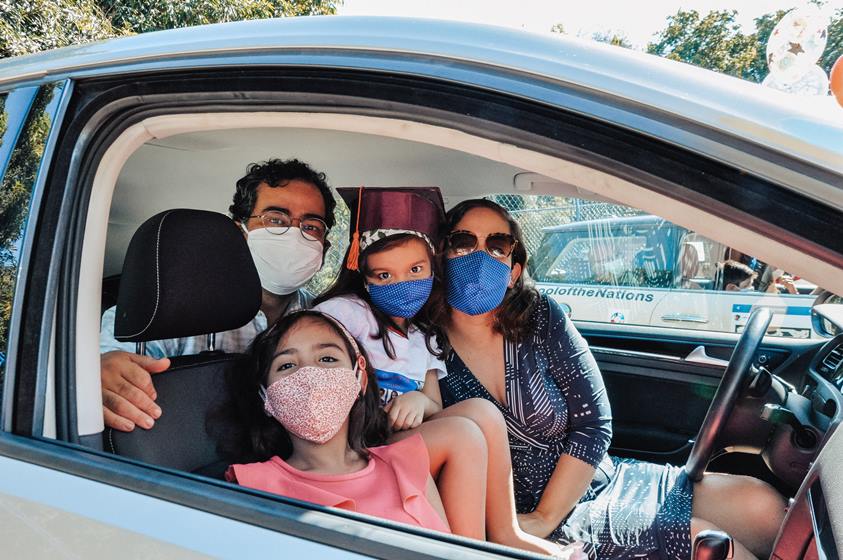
(813, 82)
(836, 77)
(796, 43)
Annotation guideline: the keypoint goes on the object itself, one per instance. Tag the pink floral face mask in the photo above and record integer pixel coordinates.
(313, 402)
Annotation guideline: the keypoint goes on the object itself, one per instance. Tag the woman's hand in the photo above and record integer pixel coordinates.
(406, 411)
(536, 524)
(787, 283)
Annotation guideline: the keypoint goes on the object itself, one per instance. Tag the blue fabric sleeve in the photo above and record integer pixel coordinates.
(574, 370)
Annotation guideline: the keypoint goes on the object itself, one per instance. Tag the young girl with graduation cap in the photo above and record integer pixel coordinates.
(381, 296)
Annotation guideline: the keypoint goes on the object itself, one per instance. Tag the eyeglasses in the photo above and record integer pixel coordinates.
(461, 243)
(277, 223)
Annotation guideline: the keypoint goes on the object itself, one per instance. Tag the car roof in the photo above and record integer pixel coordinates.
(808, 129)
(611, 222)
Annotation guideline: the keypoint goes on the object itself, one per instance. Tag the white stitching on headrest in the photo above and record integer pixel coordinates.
(157, 277)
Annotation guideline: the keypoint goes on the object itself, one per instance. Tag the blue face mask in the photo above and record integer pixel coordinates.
(477, 282)
(402, 299)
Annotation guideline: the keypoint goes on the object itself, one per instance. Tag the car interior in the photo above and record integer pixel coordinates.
(185, 166)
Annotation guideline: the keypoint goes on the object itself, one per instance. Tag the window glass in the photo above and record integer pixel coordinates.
(16, 187)
(6, 271)
(612, 263)
(596, 260)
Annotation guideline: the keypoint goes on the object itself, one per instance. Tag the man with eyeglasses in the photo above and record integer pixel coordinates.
(285, 209)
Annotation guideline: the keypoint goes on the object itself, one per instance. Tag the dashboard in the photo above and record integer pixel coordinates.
(824, 385)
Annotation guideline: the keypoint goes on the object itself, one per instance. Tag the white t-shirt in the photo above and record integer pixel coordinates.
(406, 372)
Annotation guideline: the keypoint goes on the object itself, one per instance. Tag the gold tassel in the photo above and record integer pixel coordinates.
(351, 262)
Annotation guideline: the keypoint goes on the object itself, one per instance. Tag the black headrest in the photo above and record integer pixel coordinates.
(186, 273)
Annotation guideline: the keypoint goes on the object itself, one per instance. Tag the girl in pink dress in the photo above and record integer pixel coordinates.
(325, 433)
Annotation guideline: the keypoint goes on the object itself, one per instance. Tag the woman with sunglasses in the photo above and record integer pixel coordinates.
(514, 347)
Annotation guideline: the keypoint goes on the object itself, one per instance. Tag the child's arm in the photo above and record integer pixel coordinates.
(413, 407)
(431, 391)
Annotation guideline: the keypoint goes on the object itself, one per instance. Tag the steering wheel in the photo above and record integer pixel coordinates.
(727, 392)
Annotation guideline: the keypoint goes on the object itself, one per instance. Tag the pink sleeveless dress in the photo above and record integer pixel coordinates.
(393, 485)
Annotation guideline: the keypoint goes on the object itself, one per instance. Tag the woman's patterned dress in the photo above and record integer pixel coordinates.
(556, 404)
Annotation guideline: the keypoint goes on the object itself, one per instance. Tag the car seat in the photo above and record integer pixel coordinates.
(186, 273)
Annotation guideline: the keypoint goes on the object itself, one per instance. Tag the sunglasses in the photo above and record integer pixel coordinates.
(499, 245)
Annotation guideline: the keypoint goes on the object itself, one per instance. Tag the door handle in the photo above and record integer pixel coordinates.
(699, 356)
(686, 317)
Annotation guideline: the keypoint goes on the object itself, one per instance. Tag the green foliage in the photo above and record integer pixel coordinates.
(28, 26)
(714, 41)
(717, 43)
(834, 47)
(140, 16)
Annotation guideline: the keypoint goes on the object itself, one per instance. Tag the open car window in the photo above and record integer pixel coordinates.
(611, 263)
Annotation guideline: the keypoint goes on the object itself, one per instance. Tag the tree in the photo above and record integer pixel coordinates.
(717, 43)
(39, 25)
(36, 25)
(141, 16)
(834, 47)
(558, 28)
(714, 42)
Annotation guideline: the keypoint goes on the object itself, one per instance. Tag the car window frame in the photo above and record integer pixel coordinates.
(17, 105)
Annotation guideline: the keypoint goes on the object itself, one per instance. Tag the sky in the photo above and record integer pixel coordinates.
(638, 20)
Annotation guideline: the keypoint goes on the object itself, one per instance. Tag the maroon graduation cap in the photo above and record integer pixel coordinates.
(380, 212)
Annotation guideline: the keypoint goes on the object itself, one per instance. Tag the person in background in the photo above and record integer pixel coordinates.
(736, 277)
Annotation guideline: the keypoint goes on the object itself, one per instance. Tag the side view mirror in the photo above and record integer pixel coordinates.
(827, 314)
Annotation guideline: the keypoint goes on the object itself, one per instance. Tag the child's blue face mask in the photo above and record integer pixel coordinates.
(401, 299)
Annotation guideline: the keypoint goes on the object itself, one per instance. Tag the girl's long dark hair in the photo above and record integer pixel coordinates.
(352, 282)
(512, 317)
(258, 437)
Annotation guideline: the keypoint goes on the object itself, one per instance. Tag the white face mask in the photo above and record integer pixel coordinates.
(285, 262)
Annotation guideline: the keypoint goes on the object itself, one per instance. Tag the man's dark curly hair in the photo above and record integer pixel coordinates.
(277, 173)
